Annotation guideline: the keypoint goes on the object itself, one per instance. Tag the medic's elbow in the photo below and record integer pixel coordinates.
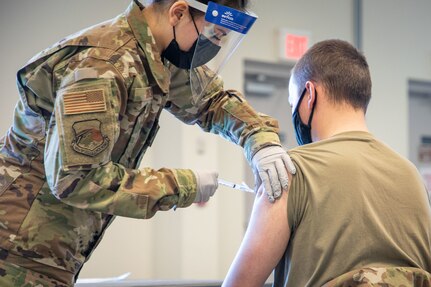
(62, 186)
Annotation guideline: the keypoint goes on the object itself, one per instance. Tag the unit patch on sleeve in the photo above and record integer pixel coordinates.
(86, 121)
(83, 102)
(89, 139)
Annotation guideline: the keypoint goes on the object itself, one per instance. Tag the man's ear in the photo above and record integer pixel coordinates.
(177, 12)
(310, 94)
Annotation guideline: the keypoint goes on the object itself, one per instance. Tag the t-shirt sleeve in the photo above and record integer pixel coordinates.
(298, 195)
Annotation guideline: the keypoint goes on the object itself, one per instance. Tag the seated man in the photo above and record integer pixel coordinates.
(354, 204)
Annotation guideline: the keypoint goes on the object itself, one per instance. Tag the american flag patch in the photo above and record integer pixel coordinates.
(84, 102)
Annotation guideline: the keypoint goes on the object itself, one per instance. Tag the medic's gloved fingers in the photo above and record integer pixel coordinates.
(257, 180)
(207, 183)
(264, 176)
(274, 180)
(283, 178)
(275, 161)
(289, 164)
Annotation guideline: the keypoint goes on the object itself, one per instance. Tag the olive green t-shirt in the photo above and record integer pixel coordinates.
(354, 202)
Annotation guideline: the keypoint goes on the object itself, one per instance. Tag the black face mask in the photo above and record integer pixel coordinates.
(184, 59)
(303, 131)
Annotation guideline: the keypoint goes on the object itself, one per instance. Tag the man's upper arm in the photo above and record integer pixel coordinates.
(264, 243)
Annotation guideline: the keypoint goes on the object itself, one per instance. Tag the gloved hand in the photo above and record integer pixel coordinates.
(271, 165)
(207, 184)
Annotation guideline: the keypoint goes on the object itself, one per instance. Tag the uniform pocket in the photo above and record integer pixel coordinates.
(18, 190)
(7, 176)
(137, 124)
(139, 100)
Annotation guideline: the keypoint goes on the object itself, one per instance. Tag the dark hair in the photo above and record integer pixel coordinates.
(236, 4)
(340, 68)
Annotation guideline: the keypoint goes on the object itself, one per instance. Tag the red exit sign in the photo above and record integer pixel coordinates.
(293, 44)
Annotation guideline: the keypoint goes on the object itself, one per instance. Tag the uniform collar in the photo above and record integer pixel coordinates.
(146, 41)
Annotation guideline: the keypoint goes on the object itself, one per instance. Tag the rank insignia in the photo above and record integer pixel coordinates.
(89, 139)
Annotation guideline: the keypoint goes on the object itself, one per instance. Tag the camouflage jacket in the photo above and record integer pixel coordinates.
(88, 110)
(383, 276)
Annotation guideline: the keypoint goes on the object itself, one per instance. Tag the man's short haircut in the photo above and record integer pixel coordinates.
(340, 68)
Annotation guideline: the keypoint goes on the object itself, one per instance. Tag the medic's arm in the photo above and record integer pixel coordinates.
(81, 135)
(263, 245)
(222, 112)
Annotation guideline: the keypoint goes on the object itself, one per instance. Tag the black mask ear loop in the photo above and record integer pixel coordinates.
(312, 111)
(175, 36)
(173, 28)
(174, 41)
(194, 23)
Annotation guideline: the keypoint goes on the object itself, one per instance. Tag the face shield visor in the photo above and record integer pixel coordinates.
(224, 29)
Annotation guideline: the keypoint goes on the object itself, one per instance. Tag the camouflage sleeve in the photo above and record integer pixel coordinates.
(382, 276)
(223, 112)
(82, 131)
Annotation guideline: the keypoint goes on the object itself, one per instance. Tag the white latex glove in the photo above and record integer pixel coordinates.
(272, 164)
(207, 184)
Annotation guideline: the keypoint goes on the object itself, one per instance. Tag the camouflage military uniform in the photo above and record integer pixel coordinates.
(88, 110)
(383, 276)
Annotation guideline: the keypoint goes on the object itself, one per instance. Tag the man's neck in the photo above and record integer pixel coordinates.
(339, 121)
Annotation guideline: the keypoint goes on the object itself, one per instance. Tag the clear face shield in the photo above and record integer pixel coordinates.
(224, 29)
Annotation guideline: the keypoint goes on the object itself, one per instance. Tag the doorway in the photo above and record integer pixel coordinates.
(266, 89)
(420, 127)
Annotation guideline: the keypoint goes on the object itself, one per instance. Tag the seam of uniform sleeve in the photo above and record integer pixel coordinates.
(294, 214)
(140, 204)
(187, 187)
(258, 141)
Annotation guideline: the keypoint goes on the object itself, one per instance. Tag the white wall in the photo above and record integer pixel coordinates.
(27, 27)
(200, 242)
(398, 48)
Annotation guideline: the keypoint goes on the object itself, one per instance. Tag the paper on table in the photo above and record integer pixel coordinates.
(104, 280)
